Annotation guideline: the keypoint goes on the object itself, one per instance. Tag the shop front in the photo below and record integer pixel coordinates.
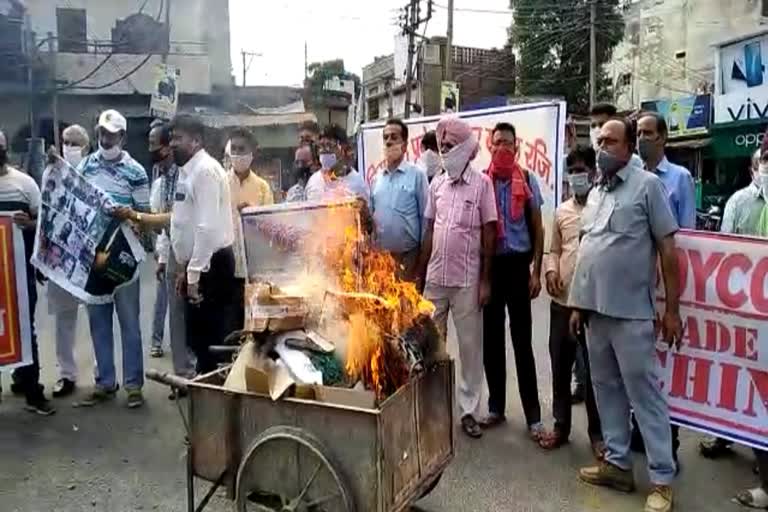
(732, 147)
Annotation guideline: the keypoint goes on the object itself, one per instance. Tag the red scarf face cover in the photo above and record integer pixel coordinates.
(504, 167)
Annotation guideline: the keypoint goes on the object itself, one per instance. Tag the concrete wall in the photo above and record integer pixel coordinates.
(199, 43)
(668, 49)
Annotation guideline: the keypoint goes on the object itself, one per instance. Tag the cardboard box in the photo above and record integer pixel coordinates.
(346, 396)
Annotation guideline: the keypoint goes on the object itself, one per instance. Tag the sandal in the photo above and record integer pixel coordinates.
(753, 498)
(552, 440)
(470, 427)
(536, 432)
(714, 447)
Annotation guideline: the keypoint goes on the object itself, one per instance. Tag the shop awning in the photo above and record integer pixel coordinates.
(689, 144)
(254, 120)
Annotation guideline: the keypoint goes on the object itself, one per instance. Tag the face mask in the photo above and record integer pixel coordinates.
(457, 159)
(646, 149)
(594, 134)
(608, 163)
(328, 161)
(579, 183)
(3, 156)
(241, 163)
(431, 162)
(73, 155)
(112, 153)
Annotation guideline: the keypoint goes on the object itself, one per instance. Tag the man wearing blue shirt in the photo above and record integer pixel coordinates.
(652, 136)
(125, 180)
(398, 201)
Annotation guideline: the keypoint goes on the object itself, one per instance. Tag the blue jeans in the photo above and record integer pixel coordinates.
(622, 357)
(126, 304)
(161, 309)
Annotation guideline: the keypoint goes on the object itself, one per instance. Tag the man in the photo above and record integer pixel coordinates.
(336, 178)
(246, 189)
(125, 181)
(652, 136)
(398, 201)
(599, 114)
(430, 160)
(309, 133)
(201, 240)
(61, 304)
(456, 256)
(163, 171)
(159, 139)
(20, 194)
(303, 163)
(516, 281)
(561, 261)
(627, 225)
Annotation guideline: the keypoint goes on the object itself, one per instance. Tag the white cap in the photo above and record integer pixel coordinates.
(112, 121)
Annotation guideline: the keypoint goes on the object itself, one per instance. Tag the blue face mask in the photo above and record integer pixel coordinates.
(328, 161)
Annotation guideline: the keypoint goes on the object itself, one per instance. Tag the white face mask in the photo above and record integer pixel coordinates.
(73, 155)
(457, 159)
(594, 134)
(431, 162)
(579, 183)
(241, 163)
(328, 161)
(112, 153)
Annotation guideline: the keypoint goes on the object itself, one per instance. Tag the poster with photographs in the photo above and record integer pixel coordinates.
(78, 244)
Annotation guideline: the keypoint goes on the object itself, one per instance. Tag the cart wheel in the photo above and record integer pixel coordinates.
(287, 469)
(431, 486)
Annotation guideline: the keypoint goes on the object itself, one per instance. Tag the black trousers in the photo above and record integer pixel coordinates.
(762, 468)
(562, 354)
(209, 322)
(509, 293)
(28, 377)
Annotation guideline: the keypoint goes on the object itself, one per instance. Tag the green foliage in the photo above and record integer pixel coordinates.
(552, 41)
(320, 72)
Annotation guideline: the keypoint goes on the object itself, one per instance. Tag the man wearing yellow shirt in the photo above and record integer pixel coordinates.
(246, 189)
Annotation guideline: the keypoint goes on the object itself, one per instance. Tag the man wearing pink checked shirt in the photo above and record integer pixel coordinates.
(456, 255)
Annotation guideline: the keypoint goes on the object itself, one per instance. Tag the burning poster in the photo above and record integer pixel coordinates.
(15, 331)
(79, 245)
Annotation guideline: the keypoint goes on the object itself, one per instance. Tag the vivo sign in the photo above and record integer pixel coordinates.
(746, 105)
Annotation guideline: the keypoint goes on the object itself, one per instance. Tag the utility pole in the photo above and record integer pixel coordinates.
(53, 57)
(247, 65)
(592, 53)
(164, 56)
(306, 62)
(412, 22)
(449, 44)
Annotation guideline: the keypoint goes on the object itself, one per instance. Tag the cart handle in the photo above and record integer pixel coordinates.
(168, 379)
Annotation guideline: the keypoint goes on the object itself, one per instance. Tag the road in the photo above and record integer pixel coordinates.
(114, 459)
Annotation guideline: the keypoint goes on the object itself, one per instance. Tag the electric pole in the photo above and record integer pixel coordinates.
(247, 65)
(449, 44)
(164, 56)
(592, 53)
(412, 21)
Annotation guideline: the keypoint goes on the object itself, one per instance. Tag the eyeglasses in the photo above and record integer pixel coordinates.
(327, 147)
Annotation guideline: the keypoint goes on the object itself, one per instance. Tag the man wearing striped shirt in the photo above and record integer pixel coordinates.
(125, 180)
(20, 194)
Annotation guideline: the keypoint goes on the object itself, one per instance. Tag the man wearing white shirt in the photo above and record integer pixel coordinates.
(201, 238)
(336, 179)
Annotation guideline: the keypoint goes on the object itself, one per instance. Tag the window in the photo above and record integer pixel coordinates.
(373, 110)
(764, 10)
(71, 28)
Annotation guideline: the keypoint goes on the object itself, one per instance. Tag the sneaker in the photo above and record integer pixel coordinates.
(135, 398)
(608, 475)
(156, 352)
(660, 499)
(63, 387)
(97, 396)
(40, 406)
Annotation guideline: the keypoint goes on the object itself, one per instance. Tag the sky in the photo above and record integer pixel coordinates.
(354, 30)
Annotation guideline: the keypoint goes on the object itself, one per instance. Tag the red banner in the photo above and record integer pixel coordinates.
(15, 342)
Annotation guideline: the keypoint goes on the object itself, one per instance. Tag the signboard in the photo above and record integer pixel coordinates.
(540, 132)
(165, 96)
(684, 116)
(739, 140)
(74, 225)
(741, 80)
(449, 97)
(746, 105)
(15, 331)
(718, 382)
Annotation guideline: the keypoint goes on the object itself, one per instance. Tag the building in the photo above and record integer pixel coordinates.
(83, 56)
(667, 50)
(480, 74)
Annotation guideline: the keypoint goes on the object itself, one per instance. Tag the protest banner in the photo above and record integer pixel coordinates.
(718, 382)
(15, 331)
(540, 133)
(74, 225)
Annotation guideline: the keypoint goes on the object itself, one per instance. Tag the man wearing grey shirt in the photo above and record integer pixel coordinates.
(627, 223)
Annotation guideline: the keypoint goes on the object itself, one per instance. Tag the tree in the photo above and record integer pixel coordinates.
(552, 41)
(320, 72)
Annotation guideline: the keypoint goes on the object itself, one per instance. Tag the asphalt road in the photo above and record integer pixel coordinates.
(114, 459)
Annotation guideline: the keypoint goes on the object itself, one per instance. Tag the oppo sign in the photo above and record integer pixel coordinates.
(749, 140)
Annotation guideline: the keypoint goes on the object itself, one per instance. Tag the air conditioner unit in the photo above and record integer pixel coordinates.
(431, 54)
